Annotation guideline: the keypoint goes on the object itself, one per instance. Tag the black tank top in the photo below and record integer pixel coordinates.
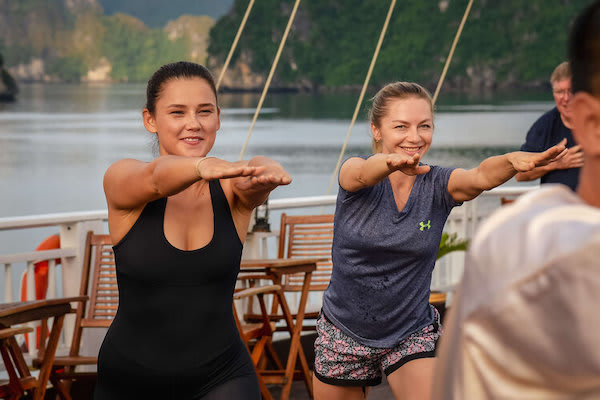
(175, 312)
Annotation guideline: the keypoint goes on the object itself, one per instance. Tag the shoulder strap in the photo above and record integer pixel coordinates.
(220, 206)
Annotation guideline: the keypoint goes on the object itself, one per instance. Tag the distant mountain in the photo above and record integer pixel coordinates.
(507, 43)
(73, 40)
(157, 13)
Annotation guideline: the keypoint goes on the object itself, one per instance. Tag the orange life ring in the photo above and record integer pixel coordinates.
(40, 271)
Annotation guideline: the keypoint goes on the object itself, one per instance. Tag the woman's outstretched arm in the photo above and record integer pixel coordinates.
(493, 171)
(130, 184)
(357, 173)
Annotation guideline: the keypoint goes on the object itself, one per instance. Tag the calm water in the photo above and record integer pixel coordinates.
(57, 140)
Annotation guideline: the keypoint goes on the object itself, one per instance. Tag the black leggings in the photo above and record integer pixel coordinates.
(122, 379)
(239, 388)
(242, 388)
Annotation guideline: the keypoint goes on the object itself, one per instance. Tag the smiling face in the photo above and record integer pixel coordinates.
(186, 117)
(406, 127)
(561, 90)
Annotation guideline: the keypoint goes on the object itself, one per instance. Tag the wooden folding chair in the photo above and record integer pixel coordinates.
(306, 236)
(99, 265)
(19, 380)
(258, 336)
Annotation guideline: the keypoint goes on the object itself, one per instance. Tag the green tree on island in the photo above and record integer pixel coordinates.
(331, 43)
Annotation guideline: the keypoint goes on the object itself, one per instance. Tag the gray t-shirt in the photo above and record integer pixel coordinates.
(383, 259)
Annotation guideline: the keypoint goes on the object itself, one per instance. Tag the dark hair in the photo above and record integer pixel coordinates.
(393, 91)
(181, 69)
(584, 51)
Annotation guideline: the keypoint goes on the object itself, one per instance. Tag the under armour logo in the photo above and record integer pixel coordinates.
(424, 225)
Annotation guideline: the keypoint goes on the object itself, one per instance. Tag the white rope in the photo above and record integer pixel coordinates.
(235, 42)
(362, 93)
(271, 73)
(460, 28)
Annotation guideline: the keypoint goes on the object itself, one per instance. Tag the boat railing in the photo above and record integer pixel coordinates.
(73, 228)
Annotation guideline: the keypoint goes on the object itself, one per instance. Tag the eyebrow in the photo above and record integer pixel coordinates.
(183, 105)
(406, 122)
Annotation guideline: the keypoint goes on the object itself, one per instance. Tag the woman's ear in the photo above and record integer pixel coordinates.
(585, 118)
(219, 118)
(375, 132)
(149, 121)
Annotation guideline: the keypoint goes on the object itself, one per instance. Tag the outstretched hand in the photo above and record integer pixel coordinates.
(523, 161)
(212, 168)
(268, 178)
(407, 164)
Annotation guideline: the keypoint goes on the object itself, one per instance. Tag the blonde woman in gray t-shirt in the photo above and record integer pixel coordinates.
(390, 213)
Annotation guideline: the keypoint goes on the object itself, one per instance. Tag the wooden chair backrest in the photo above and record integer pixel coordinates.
(307, 236)
(99, 283)
(104, 296)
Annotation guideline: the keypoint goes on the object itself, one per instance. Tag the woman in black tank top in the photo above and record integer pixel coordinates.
(178, 224)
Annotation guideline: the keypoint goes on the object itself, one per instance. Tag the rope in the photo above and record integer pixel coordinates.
(362, 93)
(271, 73)
(235, 42)
(460, 28)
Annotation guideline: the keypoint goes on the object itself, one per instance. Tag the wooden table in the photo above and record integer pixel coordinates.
(23, 312)
(275, 269)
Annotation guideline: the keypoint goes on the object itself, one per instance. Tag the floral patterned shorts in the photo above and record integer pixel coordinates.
(342, 361)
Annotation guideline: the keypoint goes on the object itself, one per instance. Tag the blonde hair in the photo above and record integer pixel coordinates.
(561, 72)
(393, 91)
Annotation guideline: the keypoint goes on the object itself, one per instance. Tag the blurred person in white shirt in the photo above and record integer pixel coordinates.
(524, 322)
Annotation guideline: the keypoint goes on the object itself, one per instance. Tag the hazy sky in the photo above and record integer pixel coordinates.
(156, 13)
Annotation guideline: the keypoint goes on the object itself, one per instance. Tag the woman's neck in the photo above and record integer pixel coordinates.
(402, 182)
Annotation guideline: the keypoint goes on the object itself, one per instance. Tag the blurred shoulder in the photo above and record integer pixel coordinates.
(540, 206)
(540, 225)
(518, 240)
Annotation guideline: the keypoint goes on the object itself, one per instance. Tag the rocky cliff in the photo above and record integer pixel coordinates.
(504, 43)
(195, 30)
(72, 40)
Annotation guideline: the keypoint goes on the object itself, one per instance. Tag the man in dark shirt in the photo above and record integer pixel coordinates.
(551, 128)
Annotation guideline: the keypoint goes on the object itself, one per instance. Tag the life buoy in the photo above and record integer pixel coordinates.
(40, 272)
